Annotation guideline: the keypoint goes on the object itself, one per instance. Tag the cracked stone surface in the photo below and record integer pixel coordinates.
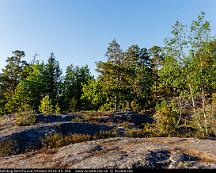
(121, 152)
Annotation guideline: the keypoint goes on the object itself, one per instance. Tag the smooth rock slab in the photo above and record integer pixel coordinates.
(30, 137)
(121, 152)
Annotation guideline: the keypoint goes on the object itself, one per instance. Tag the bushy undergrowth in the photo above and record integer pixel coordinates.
(25, 118)
(136, 134)
(2, 118)
(7, 147)
(57, 140)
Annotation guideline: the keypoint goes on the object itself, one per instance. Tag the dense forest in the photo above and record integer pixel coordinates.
(176, 83)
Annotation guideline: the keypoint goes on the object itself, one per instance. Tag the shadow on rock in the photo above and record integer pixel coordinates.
(31, 138)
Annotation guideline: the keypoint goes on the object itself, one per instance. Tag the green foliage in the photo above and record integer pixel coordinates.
(125, 77)
(166, 119)
(136, 134)
(94, 94)
(52, 79)
(198, 121)
(46, 106)
(25, 118)
(175, 82)
(10, 78)
(73, 84)
(19, 101)
(214, 99)
(12, 73)
(57, 109)
(107, 107)
(112, 77)
(135, 106)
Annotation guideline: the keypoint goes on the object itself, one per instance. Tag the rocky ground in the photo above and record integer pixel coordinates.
(119, 152)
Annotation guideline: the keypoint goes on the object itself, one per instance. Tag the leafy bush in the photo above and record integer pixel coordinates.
(198, 122)
(135, 106)
(45, 106)
(213, 99)
(106, 107)
(151, 130)
(25, 118)
(166, 119)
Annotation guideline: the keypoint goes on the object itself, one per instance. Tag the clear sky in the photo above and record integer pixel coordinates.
(78, 31)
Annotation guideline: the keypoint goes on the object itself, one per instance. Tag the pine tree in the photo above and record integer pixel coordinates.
(12, 73)
(112, 74)
(138, 76)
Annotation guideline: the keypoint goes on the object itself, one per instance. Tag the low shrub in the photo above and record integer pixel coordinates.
(152, 130)
(25, 118)
(166, 118)
(136, 134)
(185, 132)
(107, 107)
(58, 140)
(77, 119)
(105, 134)
(2, 118)
(6, 147)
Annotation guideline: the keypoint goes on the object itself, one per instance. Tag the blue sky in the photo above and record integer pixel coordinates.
(78, 31)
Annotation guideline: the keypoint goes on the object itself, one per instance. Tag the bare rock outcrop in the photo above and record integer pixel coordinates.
(121, 152)
(30, 137)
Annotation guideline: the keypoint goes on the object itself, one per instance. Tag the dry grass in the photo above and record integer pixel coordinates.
(107, 150)
(204, 157)
(6, 148)
(137, 134)
(2, 119)
(58, 140)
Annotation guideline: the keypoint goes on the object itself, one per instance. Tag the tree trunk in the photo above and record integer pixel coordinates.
(194, 107)
(204, 113)
(115, 103)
